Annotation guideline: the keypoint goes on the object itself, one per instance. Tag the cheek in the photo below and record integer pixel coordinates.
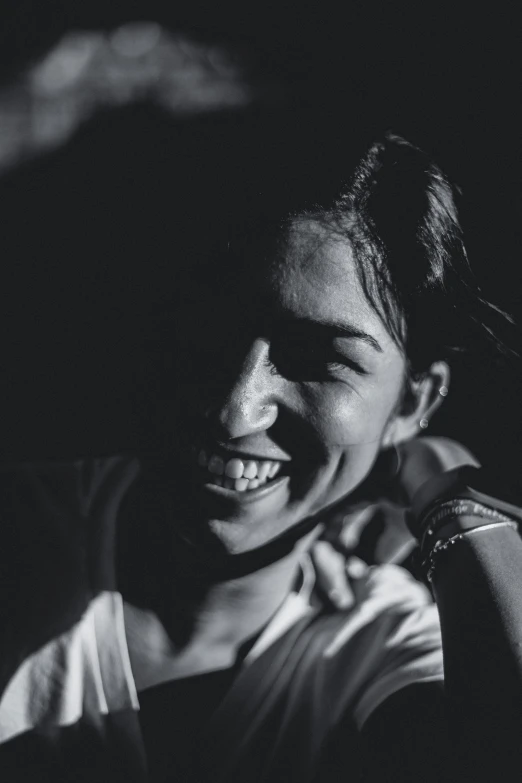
(344, 418)
(350, 427)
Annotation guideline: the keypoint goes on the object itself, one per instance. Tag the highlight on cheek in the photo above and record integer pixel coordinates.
(296, 363)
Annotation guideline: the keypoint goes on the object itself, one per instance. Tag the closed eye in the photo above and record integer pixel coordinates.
(311, 364)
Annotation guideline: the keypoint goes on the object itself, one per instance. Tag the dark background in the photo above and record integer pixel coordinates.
(91, 233)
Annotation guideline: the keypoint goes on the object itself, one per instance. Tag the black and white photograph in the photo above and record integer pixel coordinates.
(260, 392)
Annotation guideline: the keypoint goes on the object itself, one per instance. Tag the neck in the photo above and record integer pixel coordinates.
(189, 632)
(186, 612)
(230, 611)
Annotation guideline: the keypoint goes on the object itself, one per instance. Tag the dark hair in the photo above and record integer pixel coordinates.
(408, 241)
(399, 213)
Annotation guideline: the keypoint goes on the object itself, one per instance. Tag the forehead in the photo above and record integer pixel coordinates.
(305, 272)
(313, 274)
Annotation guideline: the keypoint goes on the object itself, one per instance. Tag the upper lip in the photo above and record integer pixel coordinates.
(271, 456)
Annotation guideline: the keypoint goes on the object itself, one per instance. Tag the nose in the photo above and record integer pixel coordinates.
(251, 403)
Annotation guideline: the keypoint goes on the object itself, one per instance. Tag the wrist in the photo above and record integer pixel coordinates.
(467, 483)
(430, 559)
(438, 489)
(449, 518)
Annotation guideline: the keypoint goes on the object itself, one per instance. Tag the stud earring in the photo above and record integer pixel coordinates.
(443, 391)
(423, 423)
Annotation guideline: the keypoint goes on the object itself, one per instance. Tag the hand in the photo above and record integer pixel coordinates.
(369, 527)
(426, 458)
(338, 577)
(398, 474)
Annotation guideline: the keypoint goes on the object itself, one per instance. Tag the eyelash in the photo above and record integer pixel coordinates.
(341, 366)
(346, 364)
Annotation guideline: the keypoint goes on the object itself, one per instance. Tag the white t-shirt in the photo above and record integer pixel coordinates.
(308, 671)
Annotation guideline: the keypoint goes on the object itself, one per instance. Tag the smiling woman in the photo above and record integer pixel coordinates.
(311, 345)
(308, 342)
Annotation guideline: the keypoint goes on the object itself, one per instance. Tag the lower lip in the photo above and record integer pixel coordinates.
(249, 495)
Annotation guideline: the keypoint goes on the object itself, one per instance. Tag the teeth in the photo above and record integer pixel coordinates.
(234, 468)
(262, 471)
(250, 470)
(274, 469)
(238, 474)
(216, 465)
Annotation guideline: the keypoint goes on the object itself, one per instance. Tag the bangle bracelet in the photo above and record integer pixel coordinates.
(456, 507)
(437, 518)
(474, 484)
(452, 528)
(429, 563)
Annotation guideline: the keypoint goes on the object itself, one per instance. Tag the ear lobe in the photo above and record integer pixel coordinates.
(425, 397)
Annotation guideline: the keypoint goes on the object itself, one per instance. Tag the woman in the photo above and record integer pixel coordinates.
(283, 382)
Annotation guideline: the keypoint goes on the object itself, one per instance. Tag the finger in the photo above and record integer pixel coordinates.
(356, 568)
(396, 541)
(332, 579)
(353, 526)
(358, 571)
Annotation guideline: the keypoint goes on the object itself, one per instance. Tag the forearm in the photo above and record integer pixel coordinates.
(476, 578)
(477, 588)
(472, 732)
(465, 521)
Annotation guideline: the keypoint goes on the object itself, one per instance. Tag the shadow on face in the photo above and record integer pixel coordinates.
(94, 234)
(276, 357)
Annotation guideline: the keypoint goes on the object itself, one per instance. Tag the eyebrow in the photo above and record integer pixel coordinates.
(332, 329)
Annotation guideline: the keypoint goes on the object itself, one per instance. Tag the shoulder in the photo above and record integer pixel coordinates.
(63, 483)
(57, 521)
(389, 640)
(405, 627)
(331, 670)
(387, 597)
(83, 672)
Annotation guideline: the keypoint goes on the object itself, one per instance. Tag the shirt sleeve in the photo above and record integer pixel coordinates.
(55, 520)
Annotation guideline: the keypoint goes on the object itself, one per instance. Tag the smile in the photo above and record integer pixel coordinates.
(239, 475)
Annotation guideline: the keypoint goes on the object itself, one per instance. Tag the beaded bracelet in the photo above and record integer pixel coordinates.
(453, 528)
(436, 518)
(429, 563)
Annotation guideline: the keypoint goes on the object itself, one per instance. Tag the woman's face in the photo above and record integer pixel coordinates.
(278, 359)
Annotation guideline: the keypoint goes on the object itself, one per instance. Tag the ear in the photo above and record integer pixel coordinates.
(419, 405)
